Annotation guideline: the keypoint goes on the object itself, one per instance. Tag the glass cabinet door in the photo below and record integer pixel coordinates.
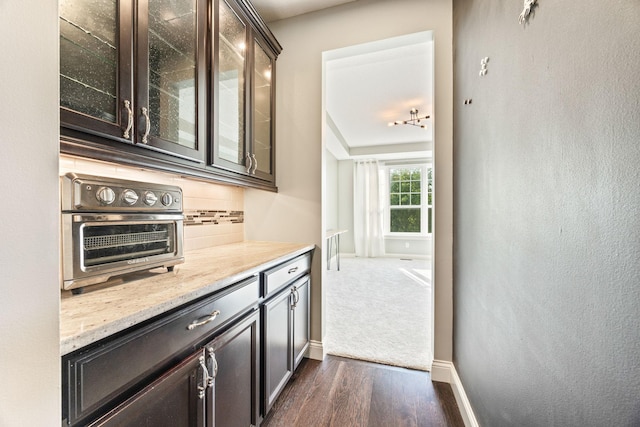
(262, 135)
(95, 66)
(170, 91)
(229, 90)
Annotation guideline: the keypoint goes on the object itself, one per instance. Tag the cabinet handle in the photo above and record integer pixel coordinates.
(147, 128)
(127, 106)
(250, 163)
(255, 164)
(212, 355)
(202, 388)
(203, 321)
(292, 300)
(292, 270)
(296, 298)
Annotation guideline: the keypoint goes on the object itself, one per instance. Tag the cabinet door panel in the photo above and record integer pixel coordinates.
(172, 74)
(262, 135)
(172, 401)
(95, 66)
(229, 89)
(233, 357)
(301, 321)
(277, 346)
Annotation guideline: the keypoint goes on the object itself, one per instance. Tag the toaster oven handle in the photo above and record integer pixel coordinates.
(203, 320)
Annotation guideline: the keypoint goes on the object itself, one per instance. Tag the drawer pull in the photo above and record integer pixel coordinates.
(203, 321)
(293, 270)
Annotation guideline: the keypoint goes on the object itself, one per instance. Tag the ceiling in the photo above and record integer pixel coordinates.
(369, 85)
(273, 10)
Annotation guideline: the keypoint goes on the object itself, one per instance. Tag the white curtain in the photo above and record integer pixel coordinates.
(367, 209)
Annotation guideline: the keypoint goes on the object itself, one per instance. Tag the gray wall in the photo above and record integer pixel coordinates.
(546, 224)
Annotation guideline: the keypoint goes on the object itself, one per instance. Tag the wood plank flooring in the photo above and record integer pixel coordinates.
(342, 392)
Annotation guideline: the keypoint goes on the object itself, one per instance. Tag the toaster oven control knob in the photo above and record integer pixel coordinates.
(105, 195)
(166, 199)
(130, 197)
(150, 198)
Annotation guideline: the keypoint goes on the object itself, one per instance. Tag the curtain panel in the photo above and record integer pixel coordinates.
(368, 209)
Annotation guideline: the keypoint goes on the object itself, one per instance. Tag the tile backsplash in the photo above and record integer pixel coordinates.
(214, 213)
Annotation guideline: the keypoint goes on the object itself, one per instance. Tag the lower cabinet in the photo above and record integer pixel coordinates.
(177, 399)
(286, 337)
(233, 366)
(216, 386)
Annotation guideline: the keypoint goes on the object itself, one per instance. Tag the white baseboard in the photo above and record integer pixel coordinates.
(443, 371)
(315, 351)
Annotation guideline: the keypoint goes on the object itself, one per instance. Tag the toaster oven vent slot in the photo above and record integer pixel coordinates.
(116, 240)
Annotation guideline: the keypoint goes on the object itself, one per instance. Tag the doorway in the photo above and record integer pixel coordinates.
(379, 306)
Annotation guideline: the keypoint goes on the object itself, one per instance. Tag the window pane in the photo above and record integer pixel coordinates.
(395, 187)
(405, 187)
(415, 175)
(405, 220)
(395, 175)
(415, 186)
(405, 199)
(395, 200)
(415, 199)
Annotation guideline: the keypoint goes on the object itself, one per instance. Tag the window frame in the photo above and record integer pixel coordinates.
(424, 199)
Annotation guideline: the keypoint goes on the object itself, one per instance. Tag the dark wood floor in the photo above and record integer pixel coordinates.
(343, 392)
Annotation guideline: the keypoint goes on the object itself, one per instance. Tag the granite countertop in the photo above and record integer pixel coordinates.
(103, 310)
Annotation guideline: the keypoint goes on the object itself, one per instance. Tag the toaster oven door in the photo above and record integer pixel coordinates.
(96, 247)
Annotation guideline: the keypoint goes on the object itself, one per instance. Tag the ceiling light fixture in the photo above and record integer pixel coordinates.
(413, 121)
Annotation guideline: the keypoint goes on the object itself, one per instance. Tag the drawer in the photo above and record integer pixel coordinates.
(94, 377)
(285, 273)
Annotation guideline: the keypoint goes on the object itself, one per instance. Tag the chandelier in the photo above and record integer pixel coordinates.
(413, 121)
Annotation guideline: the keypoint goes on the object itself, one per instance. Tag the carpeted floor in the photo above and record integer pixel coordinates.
(379, 309)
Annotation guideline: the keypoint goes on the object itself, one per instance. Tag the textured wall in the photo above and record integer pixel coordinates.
(546, 224)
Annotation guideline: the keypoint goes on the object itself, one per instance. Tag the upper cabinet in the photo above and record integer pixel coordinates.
(242, 94)
(177, 85)
(171, 76)
(96, 67)
(229, 89)
(263, 130)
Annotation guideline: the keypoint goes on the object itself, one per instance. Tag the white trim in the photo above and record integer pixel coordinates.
(315, 351)
(443, 371)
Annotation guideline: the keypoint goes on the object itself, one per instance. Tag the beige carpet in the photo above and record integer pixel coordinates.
(379, 309)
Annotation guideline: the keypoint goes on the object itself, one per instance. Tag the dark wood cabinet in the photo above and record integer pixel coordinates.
(152, 95)
(233, 362)
(286, 337)
(100, 377)
(218, 361)
(176, 399)
(183, 86)
(242, 95)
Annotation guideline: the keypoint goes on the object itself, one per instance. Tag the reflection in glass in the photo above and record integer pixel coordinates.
(172, 70)
(89, 57)
(262, 108)
(231, 91)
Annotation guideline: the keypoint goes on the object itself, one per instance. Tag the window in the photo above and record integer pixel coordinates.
(410, 199)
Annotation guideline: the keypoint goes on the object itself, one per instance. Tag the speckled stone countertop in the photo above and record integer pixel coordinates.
(103, 310)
